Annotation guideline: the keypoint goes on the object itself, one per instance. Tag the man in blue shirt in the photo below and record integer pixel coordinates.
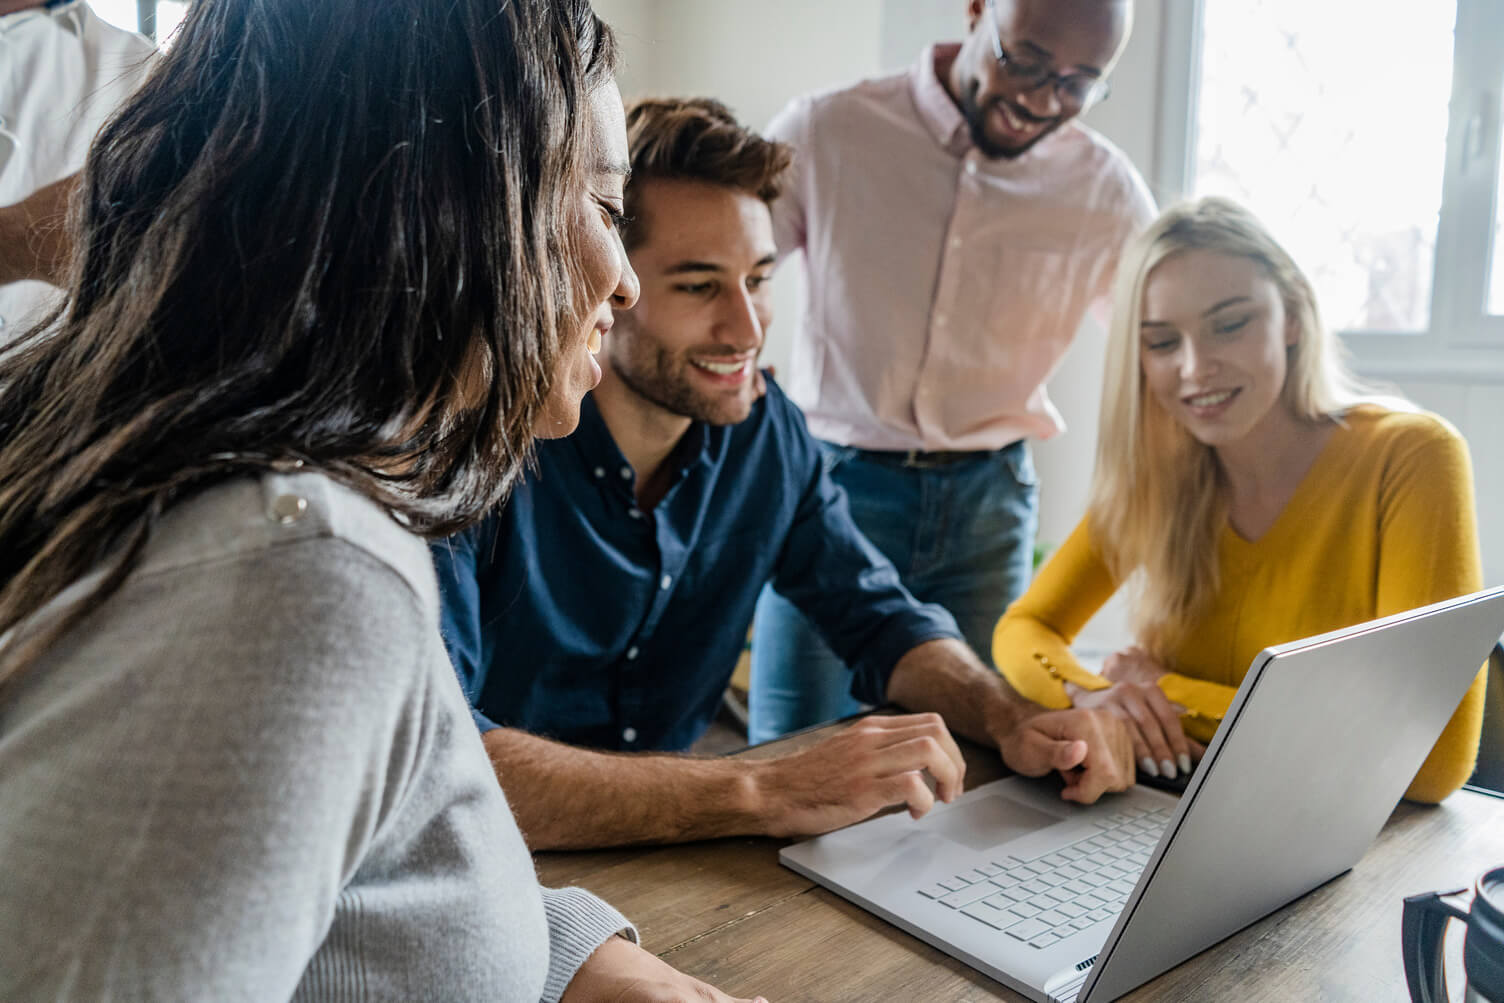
(604, 607)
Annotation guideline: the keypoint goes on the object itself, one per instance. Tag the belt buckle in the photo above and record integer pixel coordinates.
(918, 459)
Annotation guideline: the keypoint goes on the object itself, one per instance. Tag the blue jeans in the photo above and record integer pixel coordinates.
(961, 535)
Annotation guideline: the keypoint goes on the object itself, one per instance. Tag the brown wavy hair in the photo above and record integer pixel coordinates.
(310, 226)
(698, 139)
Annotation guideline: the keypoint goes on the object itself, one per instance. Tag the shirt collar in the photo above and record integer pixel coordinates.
(598, 448)
(694, 448)
(937, 111)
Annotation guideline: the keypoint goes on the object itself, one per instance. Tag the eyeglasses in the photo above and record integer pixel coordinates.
(1075, 91)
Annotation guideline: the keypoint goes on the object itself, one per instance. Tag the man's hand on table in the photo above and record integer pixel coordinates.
(876, 762)
(621, 972)
(1092, 750)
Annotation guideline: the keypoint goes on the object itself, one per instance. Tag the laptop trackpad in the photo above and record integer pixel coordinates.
(990, 821)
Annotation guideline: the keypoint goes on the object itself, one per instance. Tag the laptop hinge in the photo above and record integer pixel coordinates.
(1068, 992)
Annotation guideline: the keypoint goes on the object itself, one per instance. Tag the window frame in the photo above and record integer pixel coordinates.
(146, 18)
(1462, 341)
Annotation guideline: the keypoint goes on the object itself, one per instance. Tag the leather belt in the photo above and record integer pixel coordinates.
(919, 459)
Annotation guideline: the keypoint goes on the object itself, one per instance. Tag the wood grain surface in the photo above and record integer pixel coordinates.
(727, 912)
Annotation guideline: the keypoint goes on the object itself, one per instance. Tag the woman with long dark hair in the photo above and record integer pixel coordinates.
(336, 265)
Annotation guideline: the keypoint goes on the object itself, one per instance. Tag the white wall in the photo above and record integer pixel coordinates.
(636, 25)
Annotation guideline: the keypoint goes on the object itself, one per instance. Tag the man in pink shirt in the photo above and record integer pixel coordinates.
(956, 225)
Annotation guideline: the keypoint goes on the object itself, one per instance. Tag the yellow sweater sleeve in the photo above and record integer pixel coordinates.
(1428, 551)
(1031, 643)
(1205, 703)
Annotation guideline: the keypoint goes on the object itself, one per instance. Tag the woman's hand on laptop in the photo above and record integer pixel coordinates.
(1160, 745)
(1092, 750)
(1133, 665)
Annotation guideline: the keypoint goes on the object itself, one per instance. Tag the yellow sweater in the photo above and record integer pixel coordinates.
(1383, 522)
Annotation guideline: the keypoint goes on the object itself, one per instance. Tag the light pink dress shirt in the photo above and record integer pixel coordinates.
(944, 286)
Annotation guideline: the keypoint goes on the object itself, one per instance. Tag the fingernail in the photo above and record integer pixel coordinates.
(1167, 767)
(1146, 765)
(1185, 764)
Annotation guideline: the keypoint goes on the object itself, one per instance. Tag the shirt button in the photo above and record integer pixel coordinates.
(635, 513)
(600, 471)
(629, 734)
(632, 653)
(665, 581)
(940, 320)
(626, 473)
(955, 243)
(287, 509)
(971, 167)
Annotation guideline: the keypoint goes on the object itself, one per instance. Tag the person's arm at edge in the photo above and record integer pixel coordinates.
(566, 797)
(791, 126)
(837, 578)
(1429, 552)
(34, 240)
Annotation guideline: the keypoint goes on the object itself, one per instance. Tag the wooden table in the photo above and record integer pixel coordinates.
(727, 912)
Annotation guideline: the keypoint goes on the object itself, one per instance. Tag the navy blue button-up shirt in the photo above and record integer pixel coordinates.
(571, 613)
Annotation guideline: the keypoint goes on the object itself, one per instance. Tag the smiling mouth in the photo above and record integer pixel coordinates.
(1212, 398)
(720, 368)
(1017, 121)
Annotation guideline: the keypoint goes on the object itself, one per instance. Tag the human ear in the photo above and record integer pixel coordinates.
(1293, 314)
(974, 10)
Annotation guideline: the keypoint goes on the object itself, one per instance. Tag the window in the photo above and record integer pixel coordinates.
(156, 19)
(1366, 134)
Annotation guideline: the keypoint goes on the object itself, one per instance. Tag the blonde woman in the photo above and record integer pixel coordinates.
(1248, 490)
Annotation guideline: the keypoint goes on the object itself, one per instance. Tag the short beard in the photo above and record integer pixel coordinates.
(976, 122)
(656, 382)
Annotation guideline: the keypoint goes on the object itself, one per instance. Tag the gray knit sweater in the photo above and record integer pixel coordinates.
(252, 775)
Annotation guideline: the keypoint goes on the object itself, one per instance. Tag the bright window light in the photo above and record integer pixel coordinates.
(170, 14)
(123, 14)
(1329, 121)
(120, 13)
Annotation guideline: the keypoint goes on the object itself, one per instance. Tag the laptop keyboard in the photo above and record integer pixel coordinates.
(1057, 894)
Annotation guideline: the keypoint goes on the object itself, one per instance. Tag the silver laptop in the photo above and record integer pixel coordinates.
(1062, 902)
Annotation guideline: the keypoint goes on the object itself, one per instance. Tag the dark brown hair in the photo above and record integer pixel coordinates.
(308, 228)
(698, 139)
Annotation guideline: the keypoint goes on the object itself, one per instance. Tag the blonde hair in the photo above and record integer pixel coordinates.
(1158, 497)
